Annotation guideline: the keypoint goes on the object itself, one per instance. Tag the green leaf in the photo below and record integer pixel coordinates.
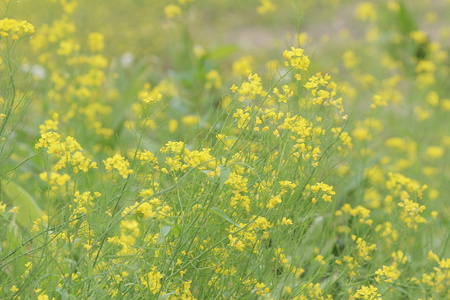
(29, 211)
(403, 291)
(406, 20)
(166, 230)
(225, 172)
(176, 230)
(90, 268)
(221, 214)
(165, 296)
(63, 292)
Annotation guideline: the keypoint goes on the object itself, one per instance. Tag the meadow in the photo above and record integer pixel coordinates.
(193, 149)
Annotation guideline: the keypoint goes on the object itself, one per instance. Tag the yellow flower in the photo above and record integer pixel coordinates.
(266, 6)
(419, 37)
(434, 214)
(172, 11)
(15, 210)
(190, 120)
(434, 152)
(173, 125)
(286, 222)
(96, 42)
(13, 289)
(366, 11)
(213, 80)
(242, 66)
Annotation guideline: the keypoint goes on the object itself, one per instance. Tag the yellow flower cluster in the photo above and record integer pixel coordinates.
(213, 80)
(361, 211)
(387, 232)
(172, 11)
(266, 6)
(287, 93)
(323, 90)
(149, 97)
(312, 291)
(184, 292)
(366, 11)
(296, 59)
(242, 66)
(14, 28)
(68, 152)
(327, 191)
(368, 292)
(388, 274)
(251, 88)
(146, 157)
(411, 213)
(96, 42)
(152, 281)
(55, 179)
(364, 250)
(152, 208)
(180, 158)
(120, 164)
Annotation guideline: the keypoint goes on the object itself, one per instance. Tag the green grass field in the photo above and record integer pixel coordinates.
(224, 149)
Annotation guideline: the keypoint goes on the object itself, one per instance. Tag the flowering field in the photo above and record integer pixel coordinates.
(224, 149)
